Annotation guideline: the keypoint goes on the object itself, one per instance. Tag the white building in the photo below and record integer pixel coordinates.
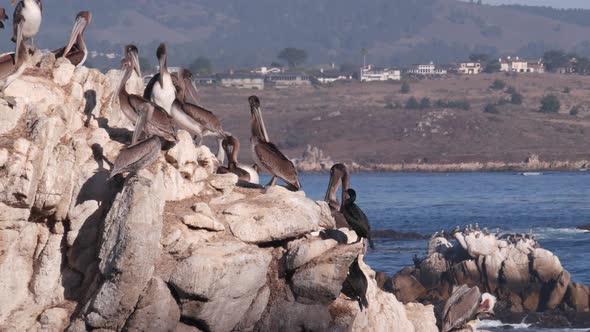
(517, 65)
(242, 81)
(429, 69)
(369, 74)
(267, 71)
(331, 76)
(469, 68)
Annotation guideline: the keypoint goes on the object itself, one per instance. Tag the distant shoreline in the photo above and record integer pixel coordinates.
(553, 166)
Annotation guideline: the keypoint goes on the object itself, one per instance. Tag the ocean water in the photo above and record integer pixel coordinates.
(550, 205)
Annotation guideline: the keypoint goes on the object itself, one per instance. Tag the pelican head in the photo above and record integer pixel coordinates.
(258, 126)
(337, 172)
(187, 74)
(82, 20)
(486, 306)
(351, 195)
(132, 53)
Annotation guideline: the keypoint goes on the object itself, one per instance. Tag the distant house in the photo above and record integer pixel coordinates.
(286, 80)
(517, 65)
(267, 71)
(370, 74)
(469, 68)
(331, 76)
(429, 69)
(208, 80)
(242, 81)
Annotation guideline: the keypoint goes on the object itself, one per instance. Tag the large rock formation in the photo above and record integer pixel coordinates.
(175, 248)
(524, 277)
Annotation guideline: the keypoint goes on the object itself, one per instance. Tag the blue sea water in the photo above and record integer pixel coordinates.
(551, 205)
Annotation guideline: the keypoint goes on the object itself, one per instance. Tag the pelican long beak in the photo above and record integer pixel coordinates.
(135, 62)
(258, 115)
(79, 26)
(19, 37)
(332, 185)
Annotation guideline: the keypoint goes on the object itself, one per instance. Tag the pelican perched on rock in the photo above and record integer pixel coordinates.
(160, 89)
(356, 284)
(464, 306)
(338, 177)
(356, 218)
(140, 154)
(76, 50)
(32, 14)
(159, 123)
(196, 120)
(12, 65)
(266, 155)
(231, 146)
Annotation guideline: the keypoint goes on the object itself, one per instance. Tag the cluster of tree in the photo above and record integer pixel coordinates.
(557, 60)
(414, 104)
(489, 64)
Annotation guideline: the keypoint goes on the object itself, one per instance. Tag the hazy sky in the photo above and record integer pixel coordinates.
(552, 3)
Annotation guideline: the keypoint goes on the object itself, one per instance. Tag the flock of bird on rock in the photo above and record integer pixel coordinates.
(171, 102)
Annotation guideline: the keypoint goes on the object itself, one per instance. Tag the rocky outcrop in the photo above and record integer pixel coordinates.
(523, 276)
(174, 248)
(313, 160)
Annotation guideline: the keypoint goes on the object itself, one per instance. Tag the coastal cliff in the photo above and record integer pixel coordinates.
(175, 248)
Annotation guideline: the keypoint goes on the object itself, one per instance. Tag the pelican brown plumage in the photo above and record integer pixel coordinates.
(76, 50)
(32, 15)
(140, 154)
(159, 123)
(160, 89)
(338, 177)
(186, 91)
(356, 218)
(266, 155)
(12, 65)
(464, 306)
(231, 146)
(197, 120)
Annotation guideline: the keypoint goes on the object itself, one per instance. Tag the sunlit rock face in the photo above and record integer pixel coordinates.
(173, 248)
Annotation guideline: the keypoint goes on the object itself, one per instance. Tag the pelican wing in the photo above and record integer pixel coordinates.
(191, 94)
(357, 219)
(161, 124)
(75, 55)
(135, 101)
(460, 307)
(276, 162)
(17, 12)
(135, 157)
(204, 117)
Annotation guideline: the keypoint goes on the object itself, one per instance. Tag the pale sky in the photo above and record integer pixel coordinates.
(552, 3)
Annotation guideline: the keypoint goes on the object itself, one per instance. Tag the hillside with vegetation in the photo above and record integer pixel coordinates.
(237, 33)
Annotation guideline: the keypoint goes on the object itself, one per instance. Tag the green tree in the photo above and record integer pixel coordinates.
(492, 67)
(349, 69)
(498, 85)
(412, 104)
(515, 98)
(293, 56)
(555, 59)
(425, 103)
(405, 87)
(201, 66)
(491, 109)
(550, 104)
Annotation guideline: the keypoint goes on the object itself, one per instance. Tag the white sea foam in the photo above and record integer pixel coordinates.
(547, 232)
(487, 324)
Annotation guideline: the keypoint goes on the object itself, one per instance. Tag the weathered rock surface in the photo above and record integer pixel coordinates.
(525, 278)
(175, 248)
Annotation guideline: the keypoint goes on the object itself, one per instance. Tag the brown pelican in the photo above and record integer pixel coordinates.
(159, 123)
(76, 50)
(338, 177)
(266, 155)
(31, 11)
(195, 119)
(186, 90)
(356, 284)
(464, 306)
(231, 145)
(356, 218)
(160, 89)
(141, 154)
(12, 65)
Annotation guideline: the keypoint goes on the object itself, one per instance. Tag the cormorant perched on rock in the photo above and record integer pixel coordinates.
(356, 284)
(356, 218)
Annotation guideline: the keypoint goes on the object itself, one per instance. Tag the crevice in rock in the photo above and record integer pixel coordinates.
(201, 325)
